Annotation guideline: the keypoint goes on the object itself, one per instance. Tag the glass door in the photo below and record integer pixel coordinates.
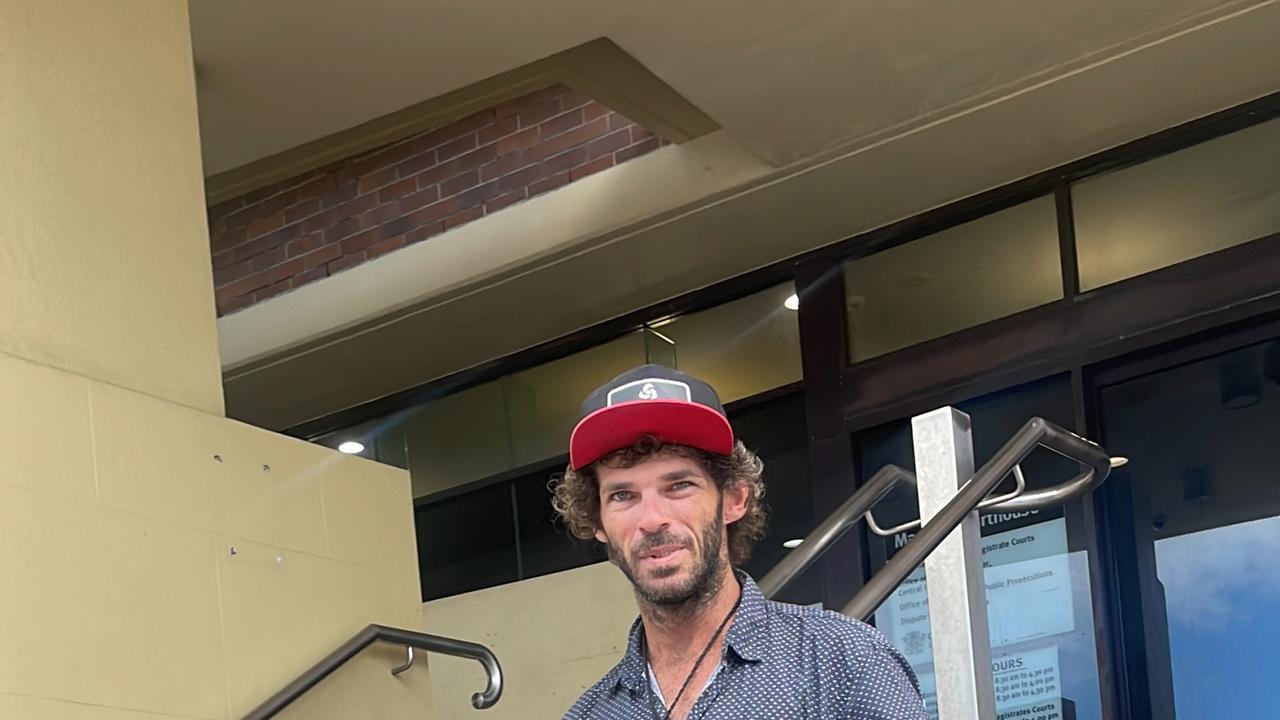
(1195, 525)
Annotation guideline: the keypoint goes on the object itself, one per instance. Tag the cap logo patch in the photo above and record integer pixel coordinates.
(650, 389)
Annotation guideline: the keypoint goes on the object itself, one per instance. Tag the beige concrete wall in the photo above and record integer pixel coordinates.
(104, 252)
(555, 635)
(118, 515)
(158, 560)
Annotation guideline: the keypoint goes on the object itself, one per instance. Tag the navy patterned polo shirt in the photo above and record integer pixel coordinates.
(779, 662)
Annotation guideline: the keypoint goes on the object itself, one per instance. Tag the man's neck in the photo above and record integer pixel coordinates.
(675, 634)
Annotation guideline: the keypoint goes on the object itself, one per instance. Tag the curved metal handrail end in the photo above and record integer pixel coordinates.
(458, 648)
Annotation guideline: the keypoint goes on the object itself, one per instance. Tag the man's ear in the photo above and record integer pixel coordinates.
(601, 536)
(735, 502)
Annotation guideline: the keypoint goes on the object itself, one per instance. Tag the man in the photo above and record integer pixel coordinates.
(656, 474)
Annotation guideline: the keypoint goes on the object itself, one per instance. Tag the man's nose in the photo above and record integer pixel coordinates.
(653, 515)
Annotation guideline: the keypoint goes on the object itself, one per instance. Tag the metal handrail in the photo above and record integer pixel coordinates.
(834, 527)
(973, 495)
(398, 636)
(1037, 432)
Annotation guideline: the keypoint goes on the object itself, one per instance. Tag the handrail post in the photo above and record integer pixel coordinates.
(957, 597)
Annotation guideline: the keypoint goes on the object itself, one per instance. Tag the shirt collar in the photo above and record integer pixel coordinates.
(745, 638)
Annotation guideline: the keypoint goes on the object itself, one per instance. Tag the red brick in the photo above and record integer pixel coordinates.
(263, 225)
(455, 148)
(409, 203)
(315, 273)
(227, 240)
(341, 193)
(417, 164)
(594, 110)
(360, 241)
(479, 194)
(379, 215)
(271, 291)
(608, 144)
(377, 179)
(322, 256)
(458, 183)
(548, 184)
(346, 228)
(504, 201)
(464, 217)
(560, 123)
(475, 158)
(304, 245)
(230, 305)
(382, 247)
(300, 210)
(520, 141)
(639, 133)
(521, 178)
(618, 121)
(538, 112)
(453, 131)
(359, 206)
(397, 226)
(395, 191)
(260, 280)
(262, 244)
(434, 212)
(316, 223)
(573, 138)
(232, 273)
(503, 165)
(268, 259)
(595, 166)
(635, 150)
(565, 160)
(502, 128)
(424, 232)
(345, 262)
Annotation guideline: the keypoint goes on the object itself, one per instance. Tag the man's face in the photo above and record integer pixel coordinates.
(664, 522)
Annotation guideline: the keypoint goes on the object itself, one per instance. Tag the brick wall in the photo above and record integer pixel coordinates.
(322, 222)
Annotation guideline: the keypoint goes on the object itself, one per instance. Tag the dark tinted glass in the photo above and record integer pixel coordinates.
(467, 542)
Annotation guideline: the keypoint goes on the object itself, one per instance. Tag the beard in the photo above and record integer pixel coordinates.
(705, 577)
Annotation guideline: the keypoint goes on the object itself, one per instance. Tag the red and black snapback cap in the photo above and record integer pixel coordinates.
(650, 400)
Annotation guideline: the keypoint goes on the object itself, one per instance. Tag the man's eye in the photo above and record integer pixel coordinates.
(620, 496)
(681, 485)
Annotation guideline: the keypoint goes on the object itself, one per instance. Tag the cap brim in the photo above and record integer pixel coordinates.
(672, 421)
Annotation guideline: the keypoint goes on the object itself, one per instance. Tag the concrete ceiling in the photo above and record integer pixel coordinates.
(837, 118)
(789, 80)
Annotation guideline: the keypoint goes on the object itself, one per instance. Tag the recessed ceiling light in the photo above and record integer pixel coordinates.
(792, 302)
(793, 544)
(351, 447)
(1119, 461)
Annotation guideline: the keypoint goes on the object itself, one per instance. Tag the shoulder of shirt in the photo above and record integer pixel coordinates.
(824, 628)
(583, 706)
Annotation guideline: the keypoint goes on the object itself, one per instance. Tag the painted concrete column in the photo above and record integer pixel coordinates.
(104, 252)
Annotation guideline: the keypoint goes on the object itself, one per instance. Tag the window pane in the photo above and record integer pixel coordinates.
(466, 543)
(545, 544)
(986, 269)
(1190, 203)
(454, 440)
(1037, 574)
(777, 433)
(742, 347)
(1206, 503)
(543, 403)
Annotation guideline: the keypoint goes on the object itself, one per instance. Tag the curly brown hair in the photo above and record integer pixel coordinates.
(576, 494)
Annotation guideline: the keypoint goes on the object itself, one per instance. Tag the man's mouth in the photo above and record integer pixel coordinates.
(661, 554)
